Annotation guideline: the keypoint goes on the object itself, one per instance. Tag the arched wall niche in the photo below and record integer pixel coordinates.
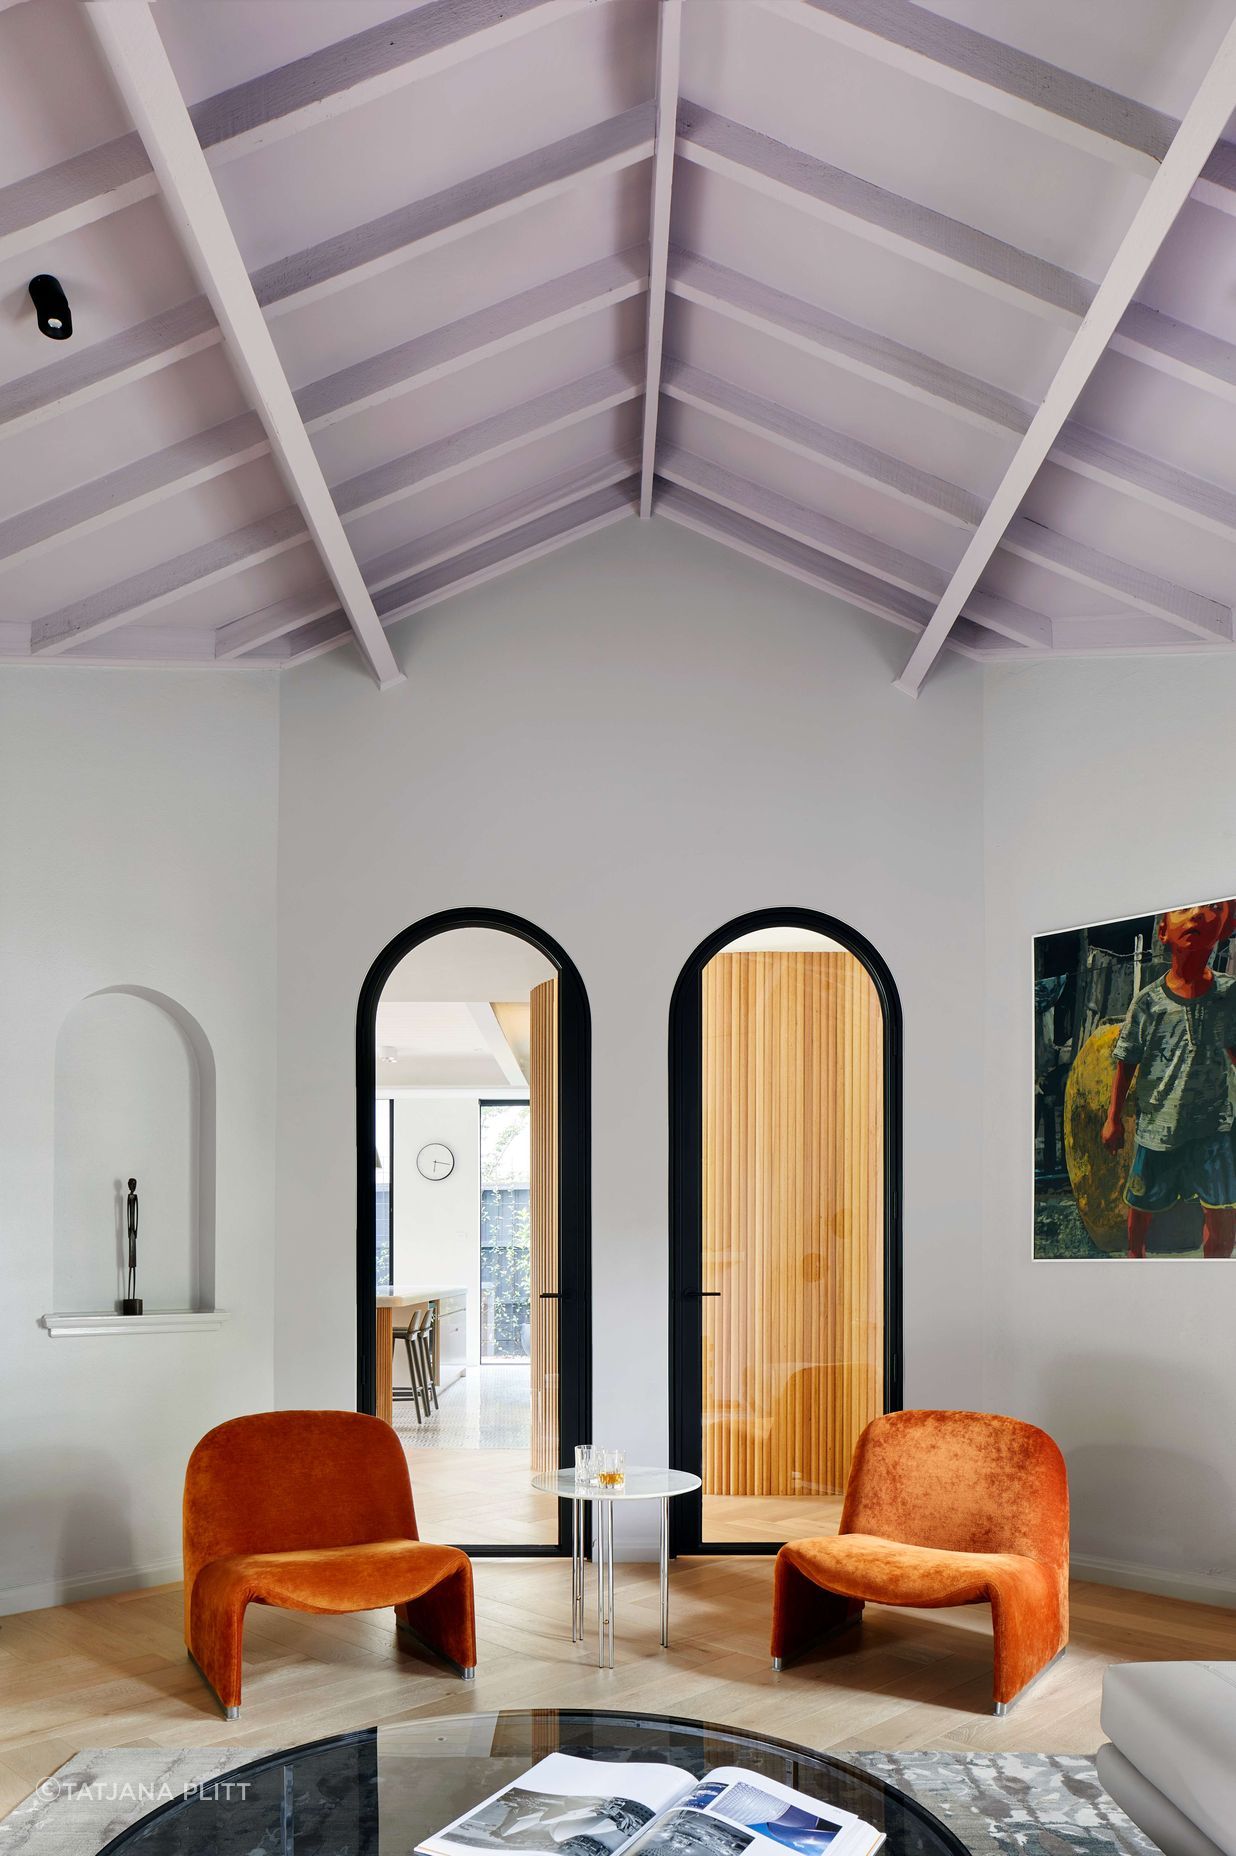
(134, 1096)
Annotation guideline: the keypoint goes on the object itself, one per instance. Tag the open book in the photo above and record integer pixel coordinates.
(586, 1807)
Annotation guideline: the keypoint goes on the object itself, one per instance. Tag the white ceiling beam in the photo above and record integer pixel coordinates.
(1189, 354)
(156, 587)
(190, 327)
(1174, 348)
(485, 1019)
(395, 578)
(1012, 84)
(669, 60)
(490, 438)
(130, 42)
(819, 444)
(266, 108)
(786, 517)
(75, 193)
(392, 575)
(286, 615)
(1147, 480)
(875, 560)
(530, 543)
(1203, 124)
(429, 357)
(355, 71)
(1145, 592)
(133, 488)
(366, 251)
(996, 76)
(132, 600)
(843, 344)
(885, 219)
(721, 522)
(88, 373)
(495, 329)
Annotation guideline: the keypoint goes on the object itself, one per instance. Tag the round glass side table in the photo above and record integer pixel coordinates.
(641, 1485)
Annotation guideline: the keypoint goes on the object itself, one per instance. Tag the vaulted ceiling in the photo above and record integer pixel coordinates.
(930, 308)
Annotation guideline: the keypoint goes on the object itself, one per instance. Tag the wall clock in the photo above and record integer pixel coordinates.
(435, 1161)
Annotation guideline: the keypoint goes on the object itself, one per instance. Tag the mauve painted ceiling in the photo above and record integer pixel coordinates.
(882, 235)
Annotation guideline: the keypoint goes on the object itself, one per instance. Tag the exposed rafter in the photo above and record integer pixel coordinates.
(104, 367)
(1203, 124)
(163, 585)
(391, 575)
(277, 103)
(493, 330)
(846, 547)
(1012, 84)
(801, 561)
(870, 356)
(133, 488)
(669, 57)
(994, 75)
(818, 444)
(542, 536)
(886, 219)
(1144, 592)
(517, 186)
(130, 42)
(416, 363)
(491, 438)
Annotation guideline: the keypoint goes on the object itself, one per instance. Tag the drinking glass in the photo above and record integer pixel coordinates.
(613, 1469)
(586, 1466)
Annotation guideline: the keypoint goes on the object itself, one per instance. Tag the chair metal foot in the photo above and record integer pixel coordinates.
(776, 1663)
(230, 1714)
(1006, 1707)
(405, 1635)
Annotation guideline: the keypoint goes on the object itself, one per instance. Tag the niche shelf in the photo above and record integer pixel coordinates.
(171, 1321)
(134, 1095)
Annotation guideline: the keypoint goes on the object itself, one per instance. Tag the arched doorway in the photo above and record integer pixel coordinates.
(550, 1336)
(785, 1223)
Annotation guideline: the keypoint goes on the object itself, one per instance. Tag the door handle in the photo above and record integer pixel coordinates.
(699, 1295)
(549, 1295)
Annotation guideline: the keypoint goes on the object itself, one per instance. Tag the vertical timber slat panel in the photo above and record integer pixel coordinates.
(793, 1219)
(543, 1218)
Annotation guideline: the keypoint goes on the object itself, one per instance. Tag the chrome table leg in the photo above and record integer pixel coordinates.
(665, 1573)
(576, 1574)
(609, 1566)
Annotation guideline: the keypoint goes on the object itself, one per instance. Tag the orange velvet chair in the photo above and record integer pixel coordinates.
(311, 1511)
(942, 1508)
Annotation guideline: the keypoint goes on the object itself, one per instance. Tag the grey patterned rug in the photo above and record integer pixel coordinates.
(999, 1804)
(1014, 1804)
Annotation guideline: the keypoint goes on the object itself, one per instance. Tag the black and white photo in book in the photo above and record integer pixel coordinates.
(523, 1819)
(566, 1806)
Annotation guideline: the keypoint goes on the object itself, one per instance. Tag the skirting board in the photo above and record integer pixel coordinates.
(72, 1590)
(1195, 1587)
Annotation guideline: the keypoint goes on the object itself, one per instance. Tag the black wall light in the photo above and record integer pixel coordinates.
(51, 306)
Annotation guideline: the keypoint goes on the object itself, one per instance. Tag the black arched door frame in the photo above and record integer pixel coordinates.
(686, 1199)
(574, 1183)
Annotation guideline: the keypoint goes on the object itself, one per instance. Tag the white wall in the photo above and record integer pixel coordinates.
(138, 848)
(1108, 793)
(631, 743)
(437, 1234)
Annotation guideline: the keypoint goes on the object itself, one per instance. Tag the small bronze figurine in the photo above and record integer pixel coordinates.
(132, 1303)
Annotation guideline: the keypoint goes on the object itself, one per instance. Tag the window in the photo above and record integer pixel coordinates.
(506, 1231)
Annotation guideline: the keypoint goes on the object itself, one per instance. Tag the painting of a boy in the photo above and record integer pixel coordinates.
(1178, 1040)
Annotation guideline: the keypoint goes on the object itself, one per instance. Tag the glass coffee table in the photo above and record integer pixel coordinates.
(380, 1791)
